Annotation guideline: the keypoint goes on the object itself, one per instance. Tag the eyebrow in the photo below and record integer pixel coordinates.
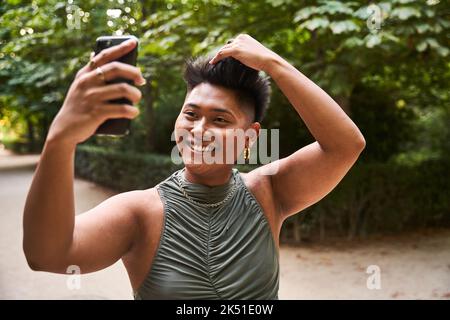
(214, 109)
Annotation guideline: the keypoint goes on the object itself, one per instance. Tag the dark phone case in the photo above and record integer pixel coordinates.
(120, 126)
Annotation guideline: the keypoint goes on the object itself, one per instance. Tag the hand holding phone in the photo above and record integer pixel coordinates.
(88, 102)
(117, 126)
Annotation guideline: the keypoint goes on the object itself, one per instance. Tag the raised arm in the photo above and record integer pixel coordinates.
(53, 238)
(310, 173)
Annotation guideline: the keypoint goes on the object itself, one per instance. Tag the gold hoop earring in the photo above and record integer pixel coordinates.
(247, 153)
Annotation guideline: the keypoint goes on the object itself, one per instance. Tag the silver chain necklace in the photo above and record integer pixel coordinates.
(206, 205)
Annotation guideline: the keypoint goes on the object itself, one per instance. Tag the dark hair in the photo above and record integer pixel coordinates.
(250, 86)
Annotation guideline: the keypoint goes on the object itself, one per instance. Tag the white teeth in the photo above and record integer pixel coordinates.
(198, 148)
(208, 148)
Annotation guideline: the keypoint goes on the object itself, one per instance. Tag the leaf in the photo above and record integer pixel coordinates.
(277, 3)
(385, 7)
(315, 23)
(304, 14)
(343, 26)
(422, 28)
(404, 13)
(60, 5)
(333, 7)
(390, 36)
(422, 46)
(365, 12)
(430, 13)
(436, 28)
(353, 42)
(372, 40)
(444, 23)
(14, 2)
(442, 51)
(432, 43)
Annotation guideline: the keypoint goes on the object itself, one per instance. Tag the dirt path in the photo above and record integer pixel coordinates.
(411, 266)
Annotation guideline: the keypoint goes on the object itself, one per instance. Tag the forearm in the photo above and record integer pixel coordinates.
(325, 119)
(49, 212)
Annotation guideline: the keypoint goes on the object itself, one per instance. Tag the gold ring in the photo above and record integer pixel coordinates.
(100, 73)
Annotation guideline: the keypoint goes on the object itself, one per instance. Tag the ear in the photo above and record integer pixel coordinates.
(252, 133)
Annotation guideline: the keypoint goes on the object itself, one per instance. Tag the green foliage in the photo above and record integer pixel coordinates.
(337, 44)
(122, 171)
(18, 146)
(386, 123)
(380, 198)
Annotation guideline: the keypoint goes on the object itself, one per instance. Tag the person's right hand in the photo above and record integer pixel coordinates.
(85, 107)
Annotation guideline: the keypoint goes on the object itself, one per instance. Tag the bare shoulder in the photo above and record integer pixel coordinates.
(148, 205)
(140, 204)
(143, 208)
(150, 216)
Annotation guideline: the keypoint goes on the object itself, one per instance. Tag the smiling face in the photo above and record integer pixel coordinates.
(213, 128)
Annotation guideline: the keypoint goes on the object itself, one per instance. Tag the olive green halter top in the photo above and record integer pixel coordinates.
(222, 252)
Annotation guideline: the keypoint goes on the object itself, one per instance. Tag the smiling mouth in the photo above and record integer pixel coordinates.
(196, 148)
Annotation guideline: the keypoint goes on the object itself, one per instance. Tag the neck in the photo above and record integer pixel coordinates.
(210, 178)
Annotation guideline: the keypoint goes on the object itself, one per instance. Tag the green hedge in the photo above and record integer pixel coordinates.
(21, 146)
(375, 198)
(379, 198)
(125, 171)
(122, 171)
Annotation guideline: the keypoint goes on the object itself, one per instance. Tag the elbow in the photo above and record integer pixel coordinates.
(360, 143)
(33, 263)
(355, 148)
(42, 265)
(34, 266)
(30, 256)
(352, 148)
(38, 262)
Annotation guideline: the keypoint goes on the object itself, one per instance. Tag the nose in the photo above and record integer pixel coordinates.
(201, 133)
(199, 128)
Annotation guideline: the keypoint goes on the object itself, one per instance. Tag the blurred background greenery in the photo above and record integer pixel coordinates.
(385, 63)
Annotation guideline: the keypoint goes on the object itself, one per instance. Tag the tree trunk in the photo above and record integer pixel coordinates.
(30, 134)
(149, 93)
(344, 103)
(297, 235)
(149, 116)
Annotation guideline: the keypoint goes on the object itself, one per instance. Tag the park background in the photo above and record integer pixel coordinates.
(385, 63)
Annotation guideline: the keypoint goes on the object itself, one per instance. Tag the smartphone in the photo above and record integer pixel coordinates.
(119, 126)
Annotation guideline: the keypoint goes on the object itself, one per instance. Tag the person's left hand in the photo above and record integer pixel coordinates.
(248, 51)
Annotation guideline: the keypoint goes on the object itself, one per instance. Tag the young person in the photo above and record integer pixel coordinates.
(207, 231)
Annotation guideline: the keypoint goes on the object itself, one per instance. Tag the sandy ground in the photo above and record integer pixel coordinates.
(411, 266)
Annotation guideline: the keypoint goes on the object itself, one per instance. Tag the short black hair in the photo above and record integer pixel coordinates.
(251, 87)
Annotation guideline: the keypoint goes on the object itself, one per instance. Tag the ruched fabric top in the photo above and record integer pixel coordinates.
(224, 252)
